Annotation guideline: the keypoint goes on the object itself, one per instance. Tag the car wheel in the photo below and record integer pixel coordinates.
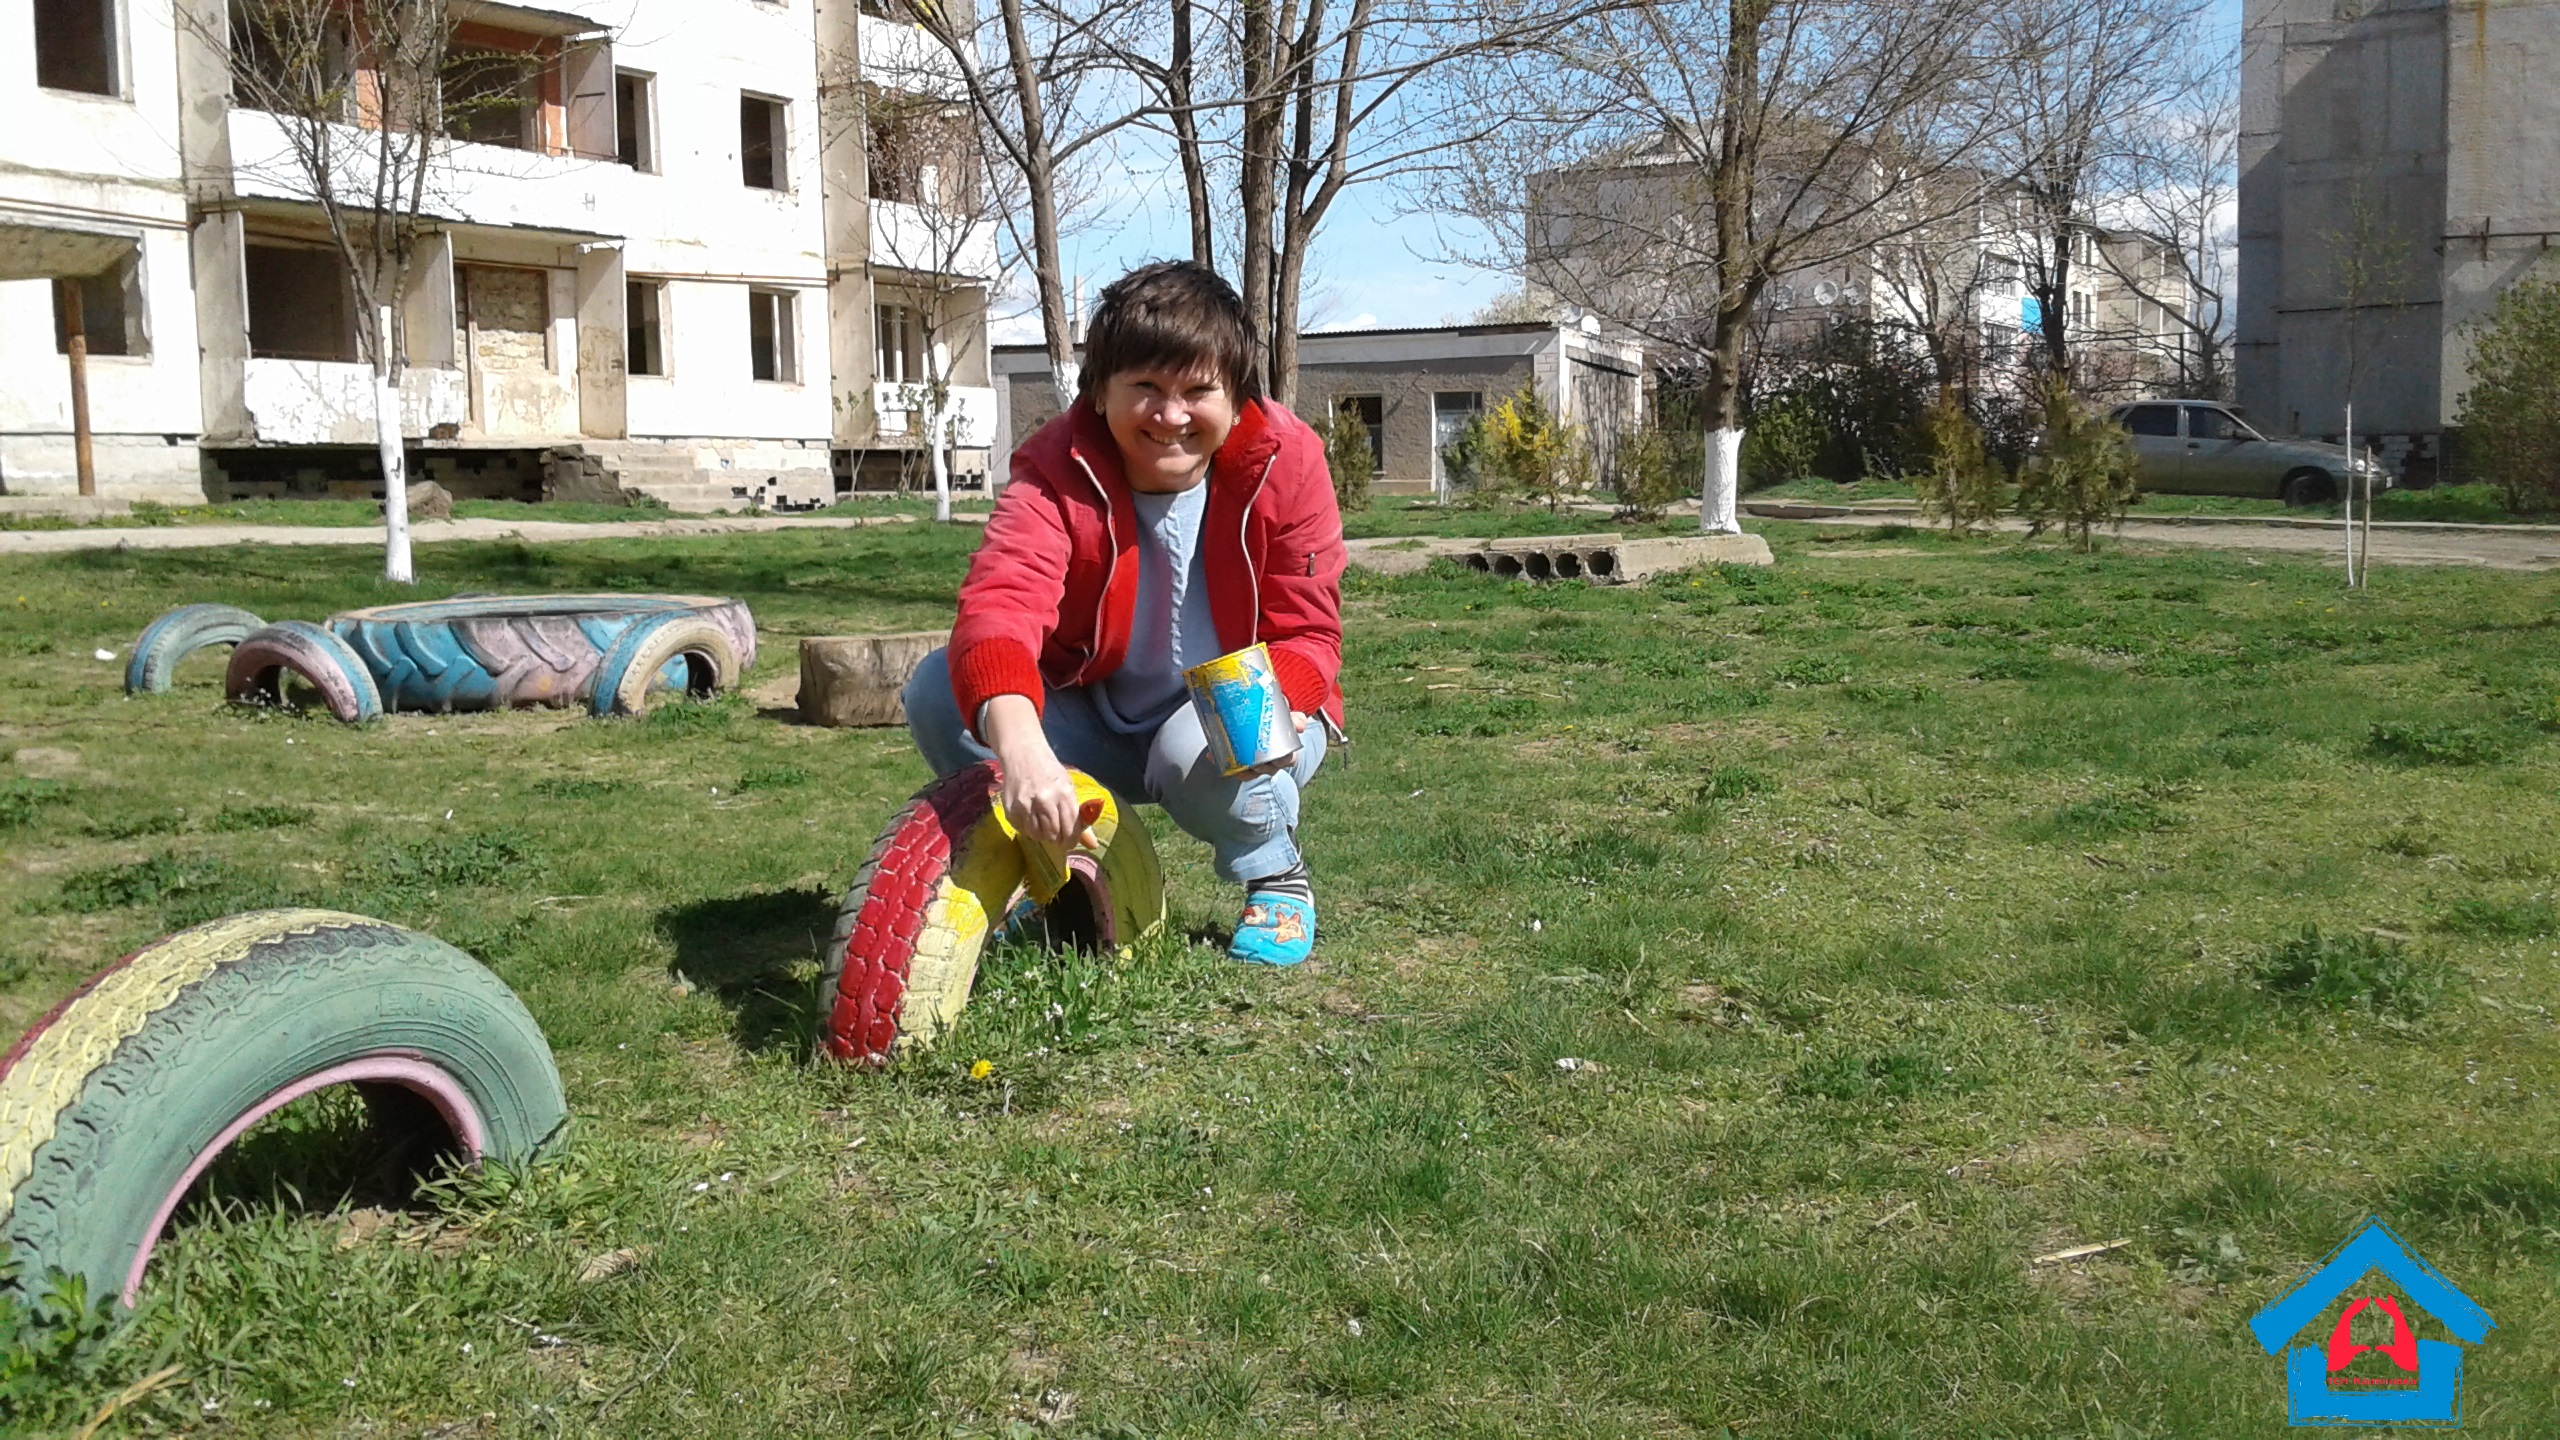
(2305, 488)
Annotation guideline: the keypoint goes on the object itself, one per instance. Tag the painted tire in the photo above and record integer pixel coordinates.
(260, 662)
(687, 649)
(910, 930)
(181, 633)
(491, 652)
(114, 1103)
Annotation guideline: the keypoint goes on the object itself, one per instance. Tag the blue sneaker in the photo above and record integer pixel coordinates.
(1275, 930)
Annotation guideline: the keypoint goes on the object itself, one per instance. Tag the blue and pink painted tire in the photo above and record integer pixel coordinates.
(497, 652)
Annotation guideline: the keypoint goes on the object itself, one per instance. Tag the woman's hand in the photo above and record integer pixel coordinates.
(1275, 766)
(1037, 794)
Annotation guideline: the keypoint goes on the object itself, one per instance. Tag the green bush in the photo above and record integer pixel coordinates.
(2510, 417)
(1531, 457)
(1650, 470)
(2081, 475)
(1348, 457)
(1960, 484)
(1781, 442)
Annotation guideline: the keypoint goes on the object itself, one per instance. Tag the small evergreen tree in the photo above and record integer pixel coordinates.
(1961, 484)
(1348, 456)
(1650, 469)
(1530, 456)
(2510, 417)
(2081, 474)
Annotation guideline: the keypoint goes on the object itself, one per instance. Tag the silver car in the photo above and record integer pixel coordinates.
(2201, 447)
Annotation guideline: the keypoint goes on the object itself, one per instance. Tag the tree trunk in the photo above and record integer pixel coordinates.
(396, 565)
(1040, 181)
(1733, 191)
(1186, 135)
(1720, 491)
(1262, 114)
(937, 406)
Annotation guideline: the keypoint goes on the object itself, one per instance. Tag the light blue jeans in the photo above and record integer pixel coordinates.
(1249, 822)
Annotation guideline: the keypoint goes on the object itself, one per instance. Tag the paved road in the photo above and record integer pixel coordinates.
(2497, 547)
(424, 532)
(2494, 546)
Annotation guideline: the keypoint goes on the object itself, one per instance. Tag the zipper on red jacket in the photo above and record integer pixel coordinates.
(1111, 548)
(1244, 518)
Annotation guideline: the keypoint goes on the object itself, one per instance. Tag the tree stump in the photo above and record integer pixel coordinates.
(855, 680)
(429, 501)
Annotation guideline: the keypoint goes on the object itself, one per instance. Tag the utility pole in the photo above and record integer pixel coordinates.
(75, 324)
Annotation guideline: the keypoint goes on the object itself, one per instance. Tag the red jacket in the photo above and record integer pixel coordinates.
(1050, 595)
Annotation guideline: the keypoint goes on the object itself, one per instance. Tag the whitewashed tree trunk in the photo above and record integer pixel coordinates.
(1719, 509)
(396, 566)
(937, 424)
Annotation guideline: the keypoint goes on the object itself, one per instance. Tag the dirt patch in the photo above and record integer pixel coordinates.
(49, 762)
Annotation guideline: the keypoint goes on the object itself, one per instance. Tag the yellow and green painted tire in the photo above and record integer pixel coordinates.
(116, 1100)
(945, 870)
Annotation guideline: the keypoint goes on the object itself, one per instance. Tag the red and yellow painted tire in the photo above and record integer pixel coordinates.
(945, 870)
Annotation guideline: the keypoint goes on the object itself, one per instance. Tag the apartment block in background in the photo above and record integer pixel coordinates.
(636, 281)
(2399, 170)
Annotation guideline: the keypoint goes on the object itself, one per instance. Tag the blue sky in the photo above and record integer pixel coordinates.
(1373, 266)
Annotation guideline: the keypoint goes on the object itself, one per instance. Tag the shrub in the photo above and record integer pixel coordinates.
(1348, 457)
(1959, 485)
(1649, 470)
(1780, 443)
(2510, 417)
(2081, 475)
(1532, 457)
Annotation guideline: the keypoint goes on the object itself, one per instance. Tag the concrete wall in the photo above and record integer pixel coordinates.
(1584, 379)
(2400, 167)
(104, 164)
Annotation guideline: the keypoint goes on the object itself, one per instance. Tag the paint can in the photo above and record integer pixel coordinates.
(1242, 710)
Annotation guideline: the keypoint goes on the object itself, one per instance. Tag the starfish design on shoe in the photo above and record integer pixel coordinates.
(1274, 930)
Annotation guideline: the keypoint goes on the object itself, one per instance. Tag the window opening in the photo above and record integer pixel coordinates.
(763, 143)
(110, 312)
(635, 121)
(771, 338)
(491, 97)
(509, 311)
(300, 305)
(645, 312)
(901, 337)
(76, 46)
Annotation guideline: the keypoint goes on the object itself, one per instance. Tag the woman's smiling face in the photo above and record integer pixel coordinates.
(1168, 421)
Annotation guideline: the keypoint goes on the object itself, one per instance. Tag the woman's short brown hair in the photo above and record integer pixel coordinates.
(1171, 313)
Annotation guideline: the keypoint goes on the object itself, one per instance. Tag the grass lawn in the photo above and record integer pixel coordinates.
(1909, 910)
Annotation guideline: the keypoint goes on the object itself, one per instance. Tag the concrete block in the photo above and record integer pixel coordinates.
(1610, 560)
(855, 680)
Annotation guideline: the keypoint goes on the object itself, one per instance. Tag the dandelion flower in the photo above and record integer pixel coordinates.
(980, 1070)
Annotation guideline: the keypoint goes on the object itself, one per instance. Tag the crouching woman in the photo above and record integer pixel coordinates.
(1172, 515)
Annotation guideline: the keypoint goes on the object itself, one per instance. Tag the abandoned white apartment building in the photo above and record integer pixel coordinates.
(1628, 240)
(697, 251)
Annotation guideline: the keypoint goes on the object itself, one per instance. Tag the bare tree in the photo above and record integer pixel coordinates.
(2181, 178)
(1688, 154)
(2082, 84)
(926, 156)
(1038, 77)
(358, 90)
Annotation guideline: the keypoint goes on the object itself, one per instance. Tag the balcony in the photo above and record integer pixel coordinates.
(931, 242)
(973, 413)
(476, 184)
(902, 57)
(326, 402)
